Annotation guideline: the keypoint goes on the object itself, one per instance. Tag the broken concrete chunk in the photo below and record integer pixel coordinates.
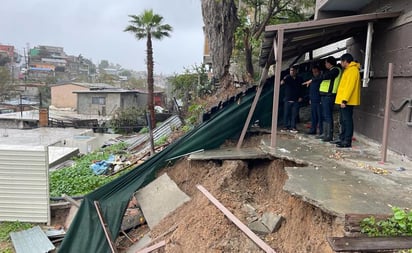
(258, 227)
(271, 221)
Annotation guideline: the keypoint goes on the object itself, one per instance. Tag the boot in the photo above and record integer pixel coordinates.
(328, 132)
(322, 136)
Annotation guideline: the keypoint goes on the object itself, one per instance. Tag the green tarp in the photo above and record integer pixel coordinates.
(86, 234)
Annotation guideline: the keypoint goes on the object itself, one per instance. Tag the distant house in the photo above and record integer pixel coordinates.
(62, 95)
(106, 101)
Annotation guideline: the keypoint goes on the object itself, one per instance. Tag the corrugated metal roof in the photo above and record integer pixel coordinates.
(111, 90)
(86, 85)
(24, 184)
(303, 37)
(165, 129)
(32, 240)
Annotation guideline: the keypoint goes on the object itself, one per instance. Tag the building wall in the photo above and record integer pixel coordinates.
(130, 100)
(85, 103)
(62, 96)
(113, 101)
(389, 46)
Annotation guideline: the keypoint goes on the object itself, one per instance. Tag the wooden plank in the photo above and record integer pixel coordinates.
(369, 244)
(71, 200)
(153, 247)
(236, 221)
(352, 220)
(104, 226)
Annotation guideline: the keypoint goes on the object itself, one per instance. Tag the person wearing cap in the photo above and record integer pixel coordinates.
(347, 97)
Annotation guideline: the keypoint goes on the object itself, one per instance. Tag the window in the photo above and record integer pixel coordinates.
(98, 100)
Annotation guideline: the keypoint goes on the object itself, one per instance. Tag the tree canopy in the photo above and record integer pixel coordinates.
(248, 18)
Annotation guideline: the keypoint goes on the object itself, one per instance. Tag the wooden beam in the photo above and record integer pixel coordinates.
(333, 21)
(353, 220)
(355, 244)
(276, 89)
(236, 221)
(153, 247)
(104, 226)
(71, 200)
(249, 116)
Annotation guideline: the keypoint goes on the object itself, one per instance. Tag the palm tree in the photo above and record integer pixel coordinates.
(147, 26)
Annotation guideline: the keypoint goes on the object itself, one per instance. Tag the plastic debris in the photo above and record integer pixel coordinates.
(400, 169)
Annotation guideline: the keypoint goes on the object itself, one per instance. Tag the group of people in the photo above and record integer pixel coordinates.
(336, 85)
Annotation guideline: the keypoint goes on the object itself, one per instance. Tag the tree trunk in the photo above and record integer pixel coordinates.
(248, 56)
(220, 18)
(150, 81)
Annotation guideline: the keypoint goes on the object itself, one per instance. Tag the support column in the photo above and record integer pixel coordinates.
(278, 48)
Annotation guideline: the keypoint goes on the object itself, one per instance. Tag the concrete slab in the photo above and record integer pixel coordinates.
(159, 198)
(58, 155)
(230, 154)
(342, 181)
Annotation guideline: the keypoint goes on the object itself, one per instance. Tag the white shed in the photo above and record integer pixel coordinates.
(24, 184)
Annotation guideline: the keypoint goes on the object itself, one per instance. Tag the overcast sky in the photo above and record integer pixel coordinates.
(94, 28)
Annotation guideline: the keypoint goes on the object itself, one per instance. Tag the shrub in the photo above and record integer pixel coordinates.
(399, 224)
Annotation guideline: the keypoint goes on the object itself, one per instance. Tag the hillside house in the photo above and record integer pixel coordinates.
(62, 95)
(106, 101)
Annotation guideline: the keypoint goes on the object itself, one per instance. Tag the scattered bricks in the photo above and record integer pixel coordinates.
(259, 228)
(271, 221)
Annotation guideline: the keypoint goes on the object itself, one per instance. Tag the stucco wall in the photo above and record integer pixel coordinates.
(130, 100)
(85, 105)
(62, 96)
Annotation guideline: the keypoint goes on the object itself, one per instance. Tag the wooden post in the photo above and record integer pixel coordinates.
(387, 110)
(104, 226)
(262, 80)
(278, 47)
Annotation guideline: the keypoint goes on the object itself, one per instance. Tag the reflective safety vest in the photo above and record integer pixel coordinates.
(325, 86)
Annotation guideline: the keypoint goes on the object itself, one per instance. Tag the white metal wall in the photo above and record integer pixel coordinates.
(24, 184)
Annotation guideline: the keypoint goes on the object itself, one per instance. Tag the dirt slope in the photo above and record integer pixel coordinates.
(247, 189)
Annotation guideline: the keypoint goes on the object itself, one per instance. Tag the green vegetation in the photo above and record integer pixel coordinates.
(5, 81)
(6, 228)
(128, 120)
(79, 179)
(144, 130)
(162, 140)
(399, 224)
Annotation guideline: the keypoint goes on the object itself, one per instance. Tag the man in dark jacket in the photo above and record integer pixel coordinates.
(293, 95)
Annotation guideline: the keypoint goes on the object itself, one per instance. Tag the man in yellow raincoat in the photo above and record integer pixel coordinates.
(348, 96)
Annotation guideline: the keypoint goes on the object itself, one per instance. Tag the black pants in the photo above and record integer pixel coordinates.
(346, 124)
